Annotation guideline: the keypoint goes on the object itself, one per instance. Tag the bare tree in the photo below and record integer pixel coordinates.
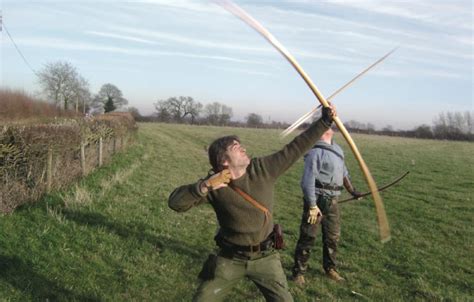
(163, 111)
(453, 125)
(213, 111)
(135, 113)
(82, 95)
(180, 109)
(194, 111)
(218, 114)
(423, 131)
(226, 115)
(184, 106)
(388, 128)
(440, 120)
(110, 93)
(353, 124)
(176, 107)
(254, 120)
(468, 117)
(62, 84)
(370, 127)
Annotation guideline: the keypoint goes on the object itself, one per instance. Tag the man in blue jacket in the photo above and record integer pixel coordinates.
(324, 177)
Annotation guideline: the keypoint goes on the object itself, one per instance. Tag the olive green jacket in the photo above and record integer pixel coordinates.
(240, 222)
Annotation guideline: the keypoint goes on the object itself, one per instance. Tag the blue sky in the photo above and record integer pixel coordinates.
(153, 50)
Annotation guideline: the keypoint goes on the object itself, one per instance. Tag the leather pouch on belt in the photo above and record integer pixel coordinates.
(278, 237)
(209, 268)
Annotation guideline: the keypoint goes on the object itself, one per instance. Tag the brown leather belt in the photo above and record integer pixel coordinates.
(265, 245)
(328, 187)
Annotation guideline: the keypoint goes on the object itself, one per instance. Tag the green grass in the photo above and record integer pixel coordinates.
(112, 237)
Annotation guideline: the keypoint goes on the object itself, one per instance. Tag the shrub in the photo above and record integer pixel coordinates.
(24, 150)
(18, 106)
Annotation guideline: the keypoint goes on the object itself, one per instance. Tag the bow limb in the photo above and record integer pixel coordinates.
(394, 182)
(384, 228)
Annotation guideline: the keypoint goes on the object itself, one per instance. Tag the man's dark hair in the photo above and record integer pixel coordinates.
(217, 150)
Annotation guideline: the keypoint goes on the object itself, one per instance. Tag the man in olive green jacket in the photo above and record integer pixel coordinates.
(246, 248)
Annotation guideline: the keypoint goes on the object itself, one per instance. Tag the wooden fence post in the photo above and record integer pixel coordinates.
(100, 151)
(83, 158)
(49, 170)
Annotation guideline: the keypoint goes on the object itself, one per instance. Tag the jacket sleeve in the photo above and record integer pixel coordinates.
(310, 174)
(185, 197)
(345, 172)
(277, 163)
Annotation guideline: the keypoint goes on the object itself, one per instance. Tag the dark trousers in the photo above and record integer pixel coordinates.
(331, 232)
(263, 268)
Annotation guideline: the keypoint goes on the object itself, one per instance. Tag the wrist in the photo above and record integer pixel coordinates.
(326, 117)
(204, 187)
(326, 124)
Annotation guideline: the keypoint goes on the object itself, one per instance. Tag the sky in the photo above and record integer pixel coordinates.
(153, 50)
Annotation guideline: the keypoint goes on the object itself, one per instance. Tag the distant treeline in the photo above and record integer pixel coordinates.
(63, 85)
(423, 131)
(184, 109)
(446, 126)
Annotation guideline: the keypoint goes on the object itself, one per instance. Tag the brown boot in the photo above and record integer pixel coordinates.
(333, 275)
(299, 280)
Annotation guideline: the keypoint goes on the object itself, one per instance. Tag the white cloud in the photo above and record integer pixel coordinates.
(194, 6)
(122, 37)
(322, 56)
(427, 11)
(194, 42)
(71, 45)
(379, 33)
(246, 71)
(440, 51)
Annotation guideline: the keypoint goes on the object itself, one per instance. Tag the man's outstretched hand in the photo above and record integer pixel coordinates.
(356, 194)
(328, 114)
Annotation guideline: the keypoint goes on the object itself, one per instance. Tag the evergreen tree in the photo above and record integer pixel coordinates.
(109, 105)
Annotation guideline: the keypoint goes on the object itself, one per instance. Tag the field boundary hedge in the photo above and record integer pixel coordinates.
(38, 158)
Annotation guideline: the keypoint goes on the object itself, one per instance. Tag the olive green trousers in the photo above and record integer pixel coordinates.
(263, 269)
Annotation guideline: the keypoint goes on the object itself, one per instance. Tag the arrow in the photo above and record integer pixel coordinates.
(305, 117)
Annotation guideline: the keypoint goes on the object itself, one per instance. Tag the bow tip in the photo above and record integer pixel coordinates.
(386, 239)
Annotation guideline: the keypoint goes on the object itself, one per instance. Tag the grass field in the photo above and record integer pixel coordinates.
(112, 237)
